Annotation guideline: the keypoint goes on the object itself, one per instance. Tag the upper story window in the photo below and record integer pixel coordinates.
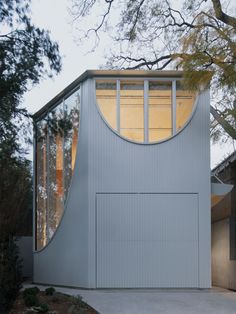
(56, 141)
(145, 111)
(132, 110)
(159, 111)
(184, 105)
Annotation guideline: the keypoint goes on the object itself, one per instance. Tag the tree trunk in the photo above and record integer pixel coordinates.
(225, 125)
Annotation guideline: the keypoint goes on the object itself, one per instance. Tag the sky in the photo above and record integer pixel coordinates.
(54, 16)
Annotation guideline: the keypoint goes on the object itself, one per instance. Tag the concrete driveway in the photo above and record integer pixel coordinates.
(213, 301)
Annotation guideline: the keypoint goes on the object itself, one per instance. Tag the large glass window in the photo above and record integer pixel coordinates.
(159, 111)
(56, 141)
(131, 110)
(55, 169)
(72, 115)
(41, 179)
(145, 111)
(106, 99)
(184, 104)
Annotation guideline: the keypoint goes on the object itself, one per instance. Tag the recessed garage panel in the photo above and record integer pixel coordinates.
(147, 240)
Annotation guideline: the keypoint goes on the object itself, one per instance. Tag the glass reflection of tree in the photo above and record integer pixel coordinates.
(72, 114)
(41, 183)
(55, 168)
(57, 136)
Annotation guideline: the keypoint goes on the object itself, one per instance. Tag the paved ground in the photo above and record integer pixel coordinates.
(213, 301)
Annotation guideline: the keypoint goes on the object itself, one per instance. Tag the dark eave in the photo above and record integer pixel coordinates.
(108, 74)
(221, 166)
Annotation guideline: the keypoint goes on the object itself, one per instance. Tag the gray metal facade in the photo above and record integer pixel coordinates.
(169, 182)
(137, 244)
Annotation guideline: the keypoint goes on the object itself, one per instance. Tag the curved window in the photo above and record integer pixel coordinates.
(184, 105)
(131, 110)
(106, 98)
(72, 115)
(56, 141)
(55, 170)
(159, 111)
(41, 191)
(145, 111)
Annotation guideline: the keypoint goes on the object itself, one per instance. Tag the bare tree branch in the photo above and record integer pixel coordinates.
(136, 17)
(223, 122)
(104, 16)
(200, 36)
(141, 62)
(225, 18)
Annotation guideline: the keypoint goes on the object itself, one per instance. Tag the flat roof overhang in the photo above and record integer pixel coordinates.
(106, 74)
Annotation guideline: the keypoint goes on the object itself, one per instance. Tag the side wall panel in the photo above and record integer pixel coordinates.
(64, 261)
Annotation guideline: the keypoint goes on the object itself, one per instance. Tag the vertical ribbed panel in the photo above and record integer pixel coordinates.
(65, 260)
(180, 165)
(147, 240)
(106, 163)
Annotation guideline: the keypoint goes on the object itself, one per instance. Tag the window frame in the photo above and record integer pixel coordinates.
(146, 81)
(36, 121)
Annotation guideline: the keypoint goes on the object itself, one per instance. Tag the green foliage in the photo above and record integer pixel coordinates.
(10, 273)
(78, 300)
(15, 197)
(31, 291)
(30, 300)
(50, 291)
(27, 55)
(15, 193)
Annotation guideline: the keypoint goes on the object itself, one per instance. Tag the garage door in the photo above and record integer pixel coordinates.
(147, 240)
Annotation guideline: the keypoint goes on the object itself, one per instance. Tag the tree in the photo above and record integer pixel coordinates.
(27, 55)
(199, 36)
(16, 197)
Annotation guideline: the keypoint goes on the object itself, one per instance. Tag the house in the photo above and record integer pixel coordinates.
(224, 228)
(122, 183)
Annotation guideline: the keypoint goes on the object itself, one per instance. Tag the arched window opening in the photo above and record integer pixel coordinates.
(145, 111)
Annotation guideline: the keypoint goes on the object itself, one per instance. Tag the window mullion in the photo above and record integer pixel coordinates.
(173, 107)
(35, 192)
(146, 122)
(63, 156)
(47, 181)
(118, 106)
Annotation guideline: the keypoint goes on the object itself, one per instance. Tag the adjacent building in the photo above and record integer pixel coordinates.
(224, 228)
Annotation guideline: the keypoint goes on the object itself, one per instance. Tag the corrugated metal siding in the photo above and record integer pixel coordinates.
(147, 240)
(105, 163)
(180, 165)
(64, 261)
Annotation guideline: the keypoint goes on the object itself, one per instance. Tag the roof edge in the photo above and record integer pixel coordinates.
(223, 164)
(104, 73)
